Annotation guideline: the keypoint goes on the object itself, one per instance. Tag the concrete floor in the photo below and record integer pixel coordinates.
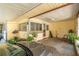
(58, 47)
(50, 47)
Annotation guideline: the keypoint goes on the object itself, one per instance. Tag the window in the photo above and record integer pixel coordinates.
(40, 27)
(44, 26)
(36, 26)
(23, 27)
(47, 27)
(32, 26)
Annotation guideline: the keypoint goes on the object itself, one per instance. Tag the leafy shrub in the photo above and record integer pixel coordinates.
(72, 37)
(34, 34)
(30, 38)
(13, 40)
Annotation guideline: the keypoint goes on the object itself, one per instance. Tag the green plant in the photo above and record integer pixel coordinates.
(30, 39)
(31, 36)
(72, 37)
(4, 51)
(78, 46)
(34, 34)
(13, 40)
(77, 38)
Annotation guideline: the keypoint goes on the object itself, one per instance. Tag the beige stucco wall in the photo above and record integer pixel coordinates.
(14, 25)
(61, 28)
(11, 26)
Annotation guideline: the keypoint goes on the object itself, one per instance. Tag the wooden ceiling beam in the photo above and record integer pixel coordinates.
(51, 10)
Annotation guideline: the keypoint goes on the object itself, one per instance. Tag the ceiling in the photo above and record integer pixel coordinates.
(41, 9)
(10, 11)
(19, 11)
(63, 13)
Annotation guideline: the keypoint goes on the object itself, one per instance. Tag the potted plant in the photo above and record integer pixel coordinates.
(31, 37)
(71, 36)
(13, 40)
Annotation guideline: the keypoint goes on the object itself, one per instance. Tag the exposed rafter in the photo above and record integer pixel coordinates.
(51, 10)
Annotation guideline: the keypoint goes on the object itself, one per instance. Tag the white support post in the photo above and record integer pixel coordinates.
(28, 30)
(4, 34)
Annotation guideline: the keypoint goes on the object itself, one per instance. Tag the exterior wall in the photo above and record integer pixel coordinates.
(11, 26)
(61, 28)
(40, 33)
(14, 25)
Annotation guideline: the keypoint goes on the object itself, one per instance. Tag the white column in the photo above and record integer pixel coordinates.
(4, 34)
